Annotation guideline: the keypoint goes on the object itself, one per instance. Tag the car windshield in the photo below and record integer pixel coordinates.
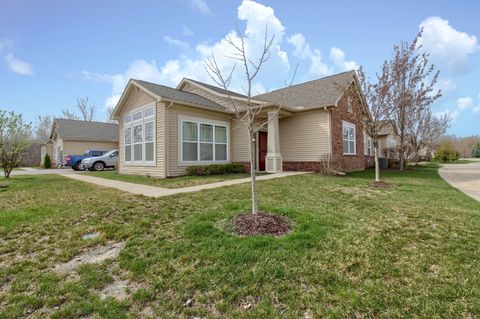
(110, 153)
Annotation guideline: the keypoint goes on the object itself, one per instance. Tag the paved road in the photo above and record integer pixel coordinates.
(465, 177)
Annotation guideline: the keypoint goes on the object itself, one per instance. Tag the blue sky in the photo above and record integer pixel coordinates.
(52, 52)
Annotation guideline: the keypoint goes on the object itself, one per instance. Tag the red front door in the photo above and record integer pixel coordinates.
(262, 150)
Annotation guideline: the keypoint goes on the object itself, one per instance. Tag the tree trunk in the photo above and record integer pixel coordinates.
(377, 162)
(402, 151)
(253, 173)
(6, 172)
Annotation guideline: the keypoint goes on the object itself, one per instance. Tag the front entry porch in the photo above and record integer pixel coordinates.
(269, 158)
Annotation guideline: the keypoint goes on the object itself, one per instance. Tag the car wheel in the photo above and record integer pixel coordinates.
(98, 166)
(79, 167)
(74, 167)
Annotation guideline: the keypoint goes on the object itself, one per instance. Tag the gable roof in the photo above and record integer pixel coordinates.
(312, 94)
(164, 93)
(213, 88)
(388, 128)
(84, 130)
(169, 93)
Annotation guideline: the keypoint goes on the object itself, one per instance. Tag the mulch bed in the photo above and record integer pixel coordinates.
(261, 223)
(382, 184)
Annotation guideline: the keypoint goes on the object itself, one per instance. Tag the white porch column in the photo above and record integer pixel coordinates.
(274, 158)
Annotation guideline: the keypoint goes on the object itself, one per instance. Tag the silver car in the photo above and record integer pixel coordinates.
(99, 163)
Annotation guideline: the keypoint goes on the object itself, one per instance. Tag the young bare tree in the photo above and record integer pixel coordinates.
(15, 137)
(378, 98)
(70, 115)
(412, 86)
(87, 110)
(248, 112)
(425, 128)
(109, 115)
(43, 127)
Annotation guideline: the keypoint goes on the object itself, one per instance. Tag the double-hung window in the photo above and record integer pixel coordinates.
(368, 145)
(349, 144)
(139, 136)
(203, 142)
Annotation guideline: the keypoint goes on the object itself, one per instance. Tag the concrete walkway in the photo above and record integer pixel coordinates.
(465, 177)
(37, 171)
(154, 191)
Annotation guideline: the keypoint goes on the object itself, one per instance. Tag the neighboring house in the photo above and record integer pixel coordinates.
(70, 137)
(164, 130)
(388, 140)
(45, 149)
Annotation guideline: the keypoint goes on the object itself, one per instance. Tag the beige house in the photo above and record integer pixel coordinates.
(73, 137)
(164, 130)
(388, 140)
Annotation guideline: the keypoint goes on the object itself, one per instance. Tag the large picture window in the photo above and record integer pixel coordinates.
(203, 142)
(349, 147)
(139, 136)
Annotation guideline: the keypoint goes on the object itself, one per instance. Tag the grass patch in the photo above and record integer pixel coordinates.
(174, 182)
(354, 251)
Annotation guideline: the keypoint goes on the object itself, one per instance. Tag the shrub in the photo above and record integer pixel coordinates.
(446, 153)
(476, 150)
(47, 162)
(215, 169)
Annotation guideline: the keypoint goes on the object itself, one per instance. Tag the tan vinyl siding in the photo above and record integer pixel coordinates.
(137, 100)
(239, 142)
(176, 168)
(304, 136)
(80, 147)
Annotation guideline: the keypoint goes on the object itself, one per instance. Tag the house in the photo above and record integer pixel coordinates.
(75, 137)
(164, 130)
(388, 140)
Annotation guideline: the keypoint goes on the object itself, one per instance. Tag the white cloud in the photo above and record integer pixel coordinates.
(186, 31)
(274, 73)
(447, 85)
(449, 48)
(201, 6)
(338, 58)
(179, 43)
(476, 109)
(303, 51)
(453, 114)
(464, 103)
(18, 66)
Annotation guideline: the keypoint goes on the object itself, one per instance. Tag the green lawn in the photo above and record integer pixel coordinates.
(175, 182)
(355, 252)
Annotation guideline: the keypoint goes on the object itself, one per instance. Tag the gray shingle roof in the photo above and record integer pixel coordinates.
(83, 130)
(177, 95)
(217, 89)
(316, 93)
(388, 128)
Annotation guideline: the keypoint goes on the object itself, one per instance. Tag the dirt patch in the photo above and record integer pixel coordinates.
(382, 184)
(261, 223)
(92, 256)
(117, 289)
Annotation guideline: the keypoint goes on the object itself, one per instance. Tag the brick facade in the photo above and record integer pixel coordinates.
(339, 114)
(303, 166)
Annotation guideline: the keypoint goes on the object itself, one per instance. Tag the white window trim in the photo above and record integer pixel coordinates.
(199, 121)
(368, 145)
(350, 125)
(141, 121)
(349, 104)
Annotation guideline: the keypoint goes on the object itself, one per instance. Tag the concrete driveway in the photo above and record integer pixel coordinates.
(465, 177)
